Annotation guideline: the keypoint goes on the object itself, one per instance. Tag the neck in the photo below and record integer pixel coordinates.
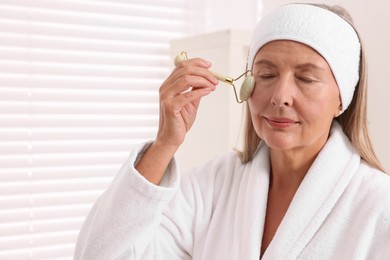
(288, 168)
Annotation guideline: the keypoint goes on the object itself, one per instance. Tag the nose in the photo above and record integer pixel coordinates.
(282, 95)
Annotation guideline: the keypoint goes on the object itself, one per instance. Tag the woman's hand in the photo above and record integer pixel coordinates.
(180, 96)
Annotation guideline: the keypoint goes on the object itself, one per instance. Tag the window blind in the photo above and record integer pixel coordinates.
(78, 87)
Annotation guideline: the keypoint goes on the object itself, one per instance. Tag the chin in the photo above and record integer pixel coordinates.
(278, 142)
(279, 146)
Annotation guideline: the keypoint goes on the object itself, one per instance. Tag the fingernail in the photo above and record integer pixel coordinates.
(207, 63)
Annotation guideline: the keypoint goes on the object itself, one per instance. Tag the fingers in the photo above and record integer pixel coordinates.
(191, 73)
(186, 82)
(189, 97)
(198, 67)
(178, 102)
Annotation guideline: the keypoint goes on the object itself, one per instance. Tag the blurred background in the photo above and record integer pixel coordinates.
(79, 86)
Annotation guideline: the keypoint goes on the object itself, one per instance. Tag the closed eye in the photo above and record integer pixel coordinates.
(305, 80)
(267, 76)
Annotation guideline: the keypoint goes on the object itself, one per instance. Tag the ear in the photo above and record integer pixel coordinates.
(339, 111)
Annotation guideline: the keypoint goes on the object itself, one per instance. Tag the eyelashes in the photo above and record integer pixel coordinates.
(303, 79)
(267, 76)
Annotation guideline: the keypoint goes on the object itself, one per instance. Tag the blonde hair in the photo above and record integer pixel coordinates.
(353, 121)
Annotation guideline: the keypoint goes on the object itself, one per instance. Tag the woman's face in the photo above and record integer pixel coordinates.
(295, 98)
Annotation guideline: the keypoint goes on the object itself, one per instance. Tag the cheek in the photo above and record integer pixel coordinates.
(257, 105)
(255, 110)
(259, 99)
(316, 113)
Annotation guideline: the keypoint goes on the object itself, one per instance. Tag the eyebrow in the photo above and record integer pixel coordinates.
(265, 62)
(302, 66)
(309, 65)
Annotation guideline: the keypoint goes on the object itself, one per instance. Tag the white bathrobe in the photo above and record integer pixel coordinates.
(340, 211)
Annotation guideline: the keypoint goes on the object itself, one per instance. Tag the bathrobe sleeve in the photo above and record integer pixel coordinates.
(130, 220)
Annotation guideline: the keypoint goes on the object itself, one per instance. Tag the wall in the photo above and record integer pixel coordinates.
(373, 22)
(231, 14)
(210, 16)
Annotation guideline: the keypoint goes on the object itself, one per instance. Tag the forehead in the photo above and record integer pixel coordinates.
(291, 52)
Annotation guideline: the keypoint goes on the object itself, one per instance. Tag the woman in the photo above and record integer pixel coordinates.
(307, 184)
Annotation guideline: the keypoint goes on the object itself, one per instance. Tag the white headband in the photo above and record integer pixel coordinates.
(326, 32)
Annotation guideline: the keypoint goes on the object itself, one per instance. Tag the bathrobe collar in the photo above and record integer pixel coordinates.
(322, 186)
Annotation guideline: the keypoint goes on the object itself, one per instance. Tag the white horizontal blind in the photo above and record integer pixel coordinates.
(78, 87)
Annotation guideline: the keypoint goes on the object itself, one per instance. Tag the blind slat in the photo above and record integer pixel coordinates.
(40, 240)
(92, 34)
(134, 46)
(133, 18)
(75, 171)
(81, 71)
(21, 228)
(50, 252)
(22, 81)
(82, 58)
(117, 8)
(43, 200)
(45, 214)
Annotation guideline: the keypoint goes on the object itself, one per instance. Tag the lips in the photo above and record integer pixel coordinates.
(280, 122)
